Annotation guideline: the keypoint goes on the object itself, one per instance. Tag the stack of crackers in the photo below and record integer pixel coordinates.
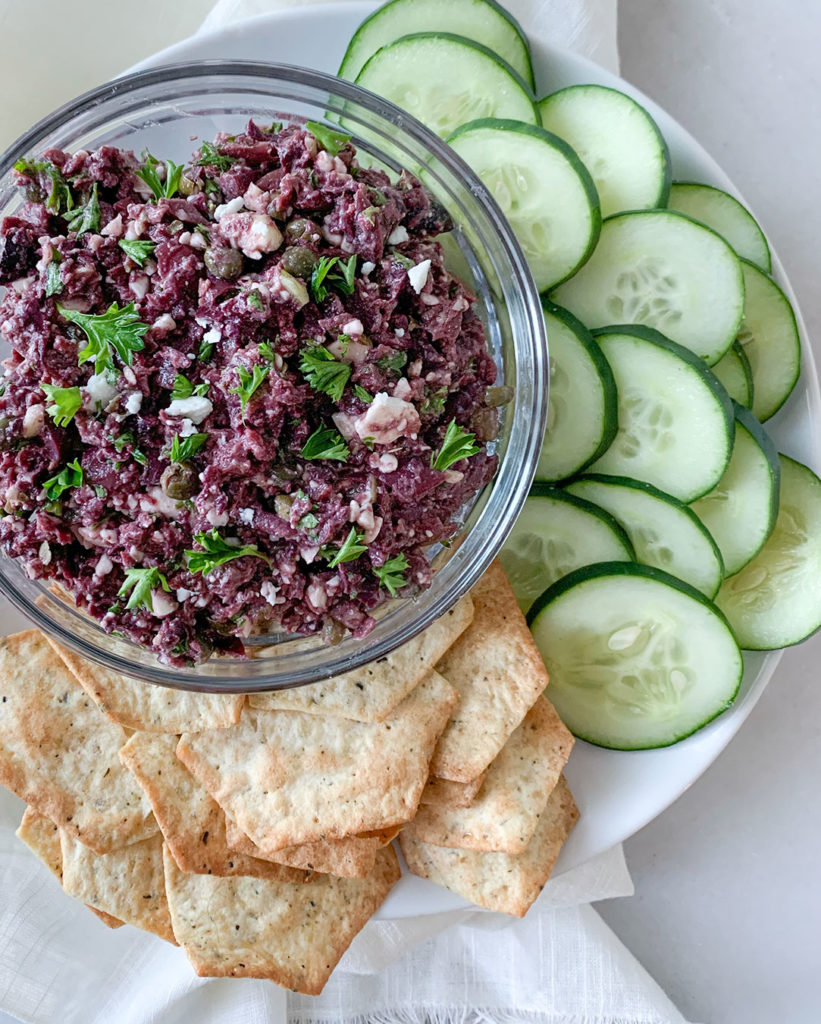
(256, 833)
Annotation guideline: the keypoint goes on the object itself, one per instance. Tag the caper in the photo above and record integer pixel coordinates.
(283, 503)
(224, 263)
(333, 632)
(495, 397)
(187, 187)
(485, 424)
(299, 261)
(175, 227)
(179, 481)
(298, 228)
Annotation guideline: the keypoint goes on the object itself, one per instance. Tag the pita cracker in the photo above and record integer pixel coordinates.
(287, 778)
(445, 793)
(370, 693)
(498, 672)
(192, 824)
(138, 705)
(58, 752)
(127, 884)
(504, 815)
(351, 857)
(508, 883)
(293, 935)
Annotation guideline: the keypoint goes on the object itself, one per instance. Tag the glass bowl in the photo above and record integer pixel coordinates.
(165, 110)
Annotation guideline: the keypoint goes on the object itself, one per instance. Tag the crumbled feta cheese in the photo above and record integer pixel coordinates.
(324, 161)
(429, 300)
(164, 323)
(104, 566)
(353, 328)
(402, 389)
(246, 515)
(373, 532)
(269, 592)
(233, 206)
(399, 332)
(344, 424)
(100, 390)
(308, 553)
(387, 463)
(44, 552)
(133, 403)
(367, 268)
(418, 275)
(157, 501)
(216, 518)
(183, 594)
(398, 235)
(387, 418)
(461, 304)
(33, 420)
(187, 428)
(162, 604)
(212, 335)
(316, 595)
(253, 233)
(139, 285)
(114, 228)
(196, 408)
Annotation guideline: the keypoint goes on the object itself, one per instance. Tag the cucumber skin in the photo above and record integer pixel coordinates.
(543, 490)
(531, 81)
(611, 395)
(767, 445)
(606, 569)
(667, 181)
(700, 184)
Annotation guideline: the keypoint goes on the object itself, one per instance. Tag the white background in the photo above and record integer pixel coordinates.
(727, 910)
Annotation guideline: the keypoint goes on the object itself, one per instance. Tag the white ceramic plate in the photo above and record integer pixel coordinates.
(617, 792)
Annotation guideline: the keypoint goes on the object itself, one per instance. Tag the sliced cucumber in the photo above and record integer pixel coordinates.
(734, 372)
(769, 337)
(446, 80)
(740, 512)
(675, 419)
(660, 268)
(724, 214)
(664, 532)
(618, 141)
(775, 601)
(582, 411)
(483, 21)
(556, 533)
(543, 189)
(637, 658)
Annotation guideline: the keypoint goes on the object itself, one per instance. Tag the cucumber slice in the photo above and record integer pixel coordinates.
(775, 601)
(446, 80)
(734, 372)
(740, 512)
(724, 214)
(637, 659)
(769, 337)
(618, 142)
(543, 189)
(664, 532)
(556, 533)
(660, 268)
(582, 411)
(483, 21)
(675, 419)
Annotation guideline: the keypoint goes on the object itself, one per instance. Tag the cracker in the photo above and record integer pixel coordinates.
(351, 857)
(293, 935)
(288, 778)
(505, 882)
(58, 752)
(504, 816)
(446, 793)
(370, 693)
(498, 672)
(192, 824)
(136, 704)
(127, 884)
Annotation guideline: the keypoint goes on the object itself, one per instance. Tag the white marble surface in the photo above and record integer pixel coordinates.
(727, 900)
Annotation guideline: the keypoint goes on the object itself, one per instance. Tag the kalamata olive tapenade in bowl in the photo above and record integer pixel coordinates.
(270, 404)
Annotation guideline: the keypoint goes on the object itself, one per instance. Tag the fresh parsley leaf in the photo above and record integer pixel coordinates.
(360, 392)
(330, 140)
(217, 551)
(54, 283)
(64, 403)
(266, 351)
(86, 217)
(210, 156)
(403, 261)
(185, 448)
(308, 522)
(351, 549)
(457, 444)
(161, 189)
(139, 456)
(255, 301)
(69, 476)
(249, 383)
(59, 200)
(141, 582)
(136, 250)
(116, 330)
(395, 362)
(434, 402)
(100, 491)
(120, 442)
(206, 350)
(325, 443)
(183, 388)
(331, 272)
(391, 575)
(323, 372)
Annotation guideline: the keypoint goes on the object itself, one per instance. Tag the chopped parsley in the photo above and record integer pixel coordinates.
(64, 403)
(183, 388)
(323, 371)
(69, 476)
(331, 272)
(161, 189)
(457, 445)
(217, 551)
(329, 139)
(360, 392)
(434, 402)
(117, 331)
(54, 283)
(86, 217)
(210, 156)
(59, 200)
(325, 443)
(352, 548)
(206, 350)
(391, 575)
(266, 351)
(395, 362)
(254, 300)
(140, 582)
(185, 448)
(308, 522)
(127, 438)
(249, 383)
(138, 251)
